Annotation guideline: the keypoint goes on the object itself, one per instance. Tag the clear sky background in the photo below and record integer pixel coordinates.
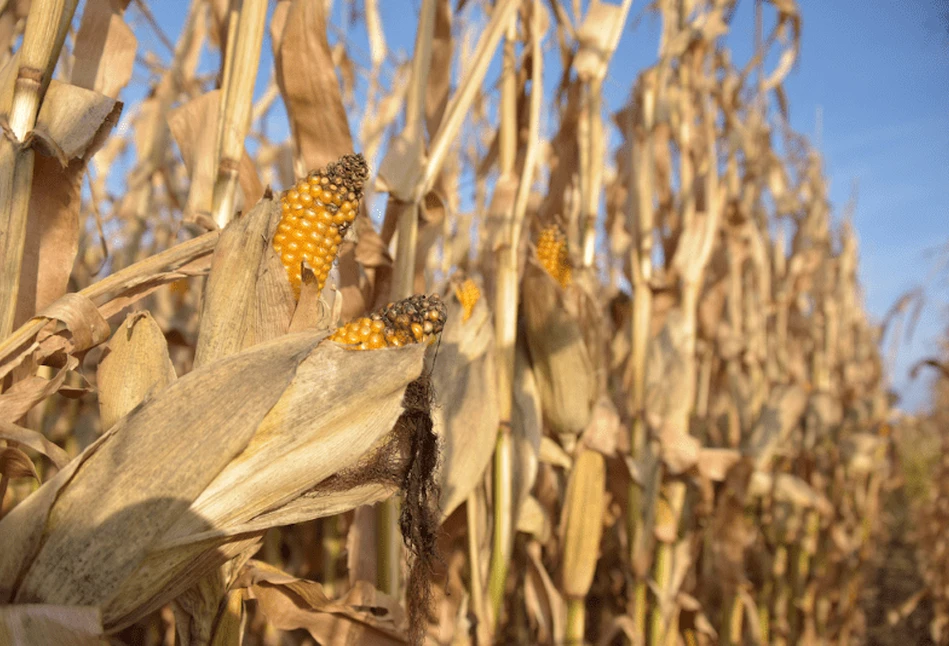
(876, 72)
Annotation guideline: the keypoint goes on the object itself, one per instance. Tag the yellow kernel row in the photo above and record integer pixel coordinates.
(467, 294)
(316, 213)
(553, 256)
(414, 320)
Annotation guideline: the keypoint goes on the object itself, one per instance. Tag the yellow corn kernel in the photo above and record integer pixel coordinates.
(467, 294)
(316, 214)
(553, 256)
(417, 319)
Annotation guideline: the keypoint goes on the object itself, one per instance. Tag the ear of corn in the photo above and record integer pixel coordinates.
(552, 254)
(467, 293)
(415, 319)
(317, 212)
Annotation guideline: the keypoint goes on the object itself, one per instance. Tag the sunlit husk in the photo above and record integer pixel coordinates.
(562, 365)
(276, 421)
(466, 418)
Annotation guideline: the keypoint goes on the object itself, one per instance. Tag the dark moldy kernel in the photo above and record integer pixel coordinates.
(416, 319)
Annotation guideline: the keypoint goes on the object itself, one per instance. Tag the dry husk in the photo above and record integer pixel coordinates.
(134, 367)
(211, 460)
(466, 416)
(562, 364)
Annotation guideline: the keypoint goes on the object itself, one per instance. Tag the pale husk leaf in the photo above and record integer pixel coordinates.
(229, 311)
(27, 624)
(562, 364)
(467, 416)
(134, 367)
(526, 428)
(144, 472)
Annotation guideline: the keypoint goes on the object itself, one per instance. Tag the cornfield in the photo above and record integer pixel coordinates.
(588, 378)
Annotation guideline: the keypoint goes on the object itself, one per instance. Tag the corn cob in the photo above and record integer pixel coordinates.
(552, 254)
(415, 319)
(467, 293)
(316, 214)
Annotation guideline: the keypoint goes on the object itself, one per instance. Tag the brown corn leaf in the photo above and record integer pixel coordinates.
(308, 83)
(25, 624)
(715, 463)
(581, 526)
(134, 367)
(105, 49)
(197, 143)
(679, 450)
(464, 376)
(14, 463)
(363, 616)
(439, 73)
(35, 441)
(28, 392)
(72, 125)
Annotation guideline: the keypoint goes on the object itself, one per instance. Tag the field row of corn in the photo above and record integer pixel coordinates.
(592, 378)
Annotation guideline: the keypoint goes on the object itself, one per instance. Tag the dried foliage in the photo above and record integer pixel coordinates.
(650, 320)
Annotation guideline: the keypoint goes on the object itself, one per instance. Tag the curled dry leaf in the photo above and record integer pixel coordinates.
(562, 364)
(33, 440)
(363, 616)
(197, 142)
(598, 35)
(467, 416)
(14, 463)
(134, 367)
(308, 82)
(551, 453)
(863, 453)
(543, 601)
(277, 420)
(72, 125)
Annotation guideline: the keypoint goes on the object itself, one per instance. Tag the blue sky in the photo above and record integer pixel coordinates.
(878, 74)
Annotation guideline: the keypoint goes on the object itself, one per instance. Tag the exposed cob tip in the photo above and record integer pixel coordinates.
(553, 256)
(316, 214)
(467, 293)
(416, 319)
